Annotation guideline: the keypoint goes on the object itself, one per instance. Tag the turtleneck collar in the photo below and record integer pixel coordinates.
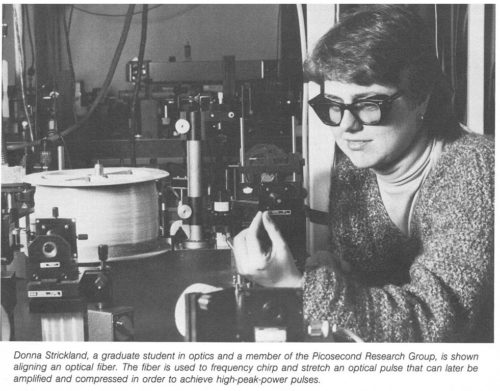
(399, 183)
(410, 166)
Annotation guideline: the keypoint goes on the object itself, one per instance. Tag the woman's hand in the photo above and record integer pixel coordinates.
(272, 267)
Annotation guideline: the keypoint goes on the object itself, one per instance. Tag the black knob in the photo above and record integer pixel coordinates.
(55, 212)
(102, 251)
(272, 311)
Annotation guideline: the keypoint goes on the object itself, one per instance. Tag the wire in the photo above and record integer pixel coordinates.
(70, 17)
(27, 23)
(349, 333)
(453, 53)
(30, 36)
(436, 30)
(58, 55)
(115, 15)
(36, 95)
(140, 62)
(70, 63)
(305, 108)
(278, 40)
(174, 15)
(24, 39)
(19, 50)
(102, 92)
(229, 241)
(73, 84)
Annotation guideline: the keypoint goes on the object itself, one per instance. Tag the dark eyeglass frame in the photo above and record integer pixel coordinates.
(319, 102)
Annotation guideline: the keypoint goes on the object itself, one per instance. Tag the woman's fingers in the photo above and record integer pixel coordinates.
(247, 249)
(240, 251)
(272, 230)
(252, 240)
(272, 268)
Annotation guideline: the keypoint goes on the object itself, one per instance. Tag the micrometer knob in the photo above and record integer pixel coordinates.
(102, 251)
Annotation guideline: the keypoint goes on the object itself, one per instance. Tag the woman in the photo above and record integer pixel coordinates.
(411, 199)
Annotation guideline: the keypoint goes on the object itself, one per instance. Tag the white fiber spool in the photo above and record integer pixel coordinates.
(113, 206)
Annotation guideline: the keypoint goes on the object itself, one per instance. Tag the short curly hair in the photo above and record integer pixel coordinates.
(379, 44)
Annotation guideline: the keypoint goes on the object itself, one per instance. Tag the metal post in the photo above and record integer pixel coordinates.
(60, 158)
(242, 147)
(195, 184)
(294, 145)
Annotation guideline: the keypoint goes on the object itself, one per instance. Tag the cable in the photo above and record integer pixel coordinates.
(70, 63)
(114, 15)
(24, 40)
(436, 30)
(305, 97)
(349, 333)
(58, 57)
(453, 52)
(102, 93)
(140, 62)
(142, 48)
(278, 40)
(70, 17)
(179, 13)
(30, 36)
(73, 84)
(19, 50)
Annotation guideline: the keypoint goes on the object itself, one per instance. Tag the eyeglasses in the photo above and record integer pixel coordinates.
(367, 111)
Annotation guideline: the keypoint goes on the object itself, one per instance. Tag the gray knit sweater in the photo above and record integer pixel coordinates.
(435, 284)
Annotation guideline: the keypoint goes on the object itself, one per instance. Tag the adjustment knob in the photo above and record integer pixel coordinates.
(102, 251)
(182, 126)
(184, 211)
(318, 328)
